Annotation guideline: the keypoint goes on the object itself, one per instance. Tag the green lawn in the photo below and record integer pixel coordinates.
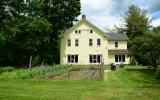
(131, 83)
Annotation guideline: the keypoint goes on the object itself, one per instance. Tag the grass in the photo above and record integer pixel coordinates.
(36, 73)
(130, 83)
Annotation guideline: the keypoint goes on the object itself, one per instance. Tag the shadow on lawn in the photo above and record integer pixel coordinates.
(147, 76)
(144, 71)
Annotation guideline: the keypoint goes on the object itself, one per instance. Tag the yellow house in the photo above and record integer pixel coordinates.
(85, 44)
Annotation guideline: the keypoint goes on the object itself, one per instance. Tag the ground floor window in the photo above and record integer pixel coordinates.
(94, 58)
(72, 58)
(120, 58)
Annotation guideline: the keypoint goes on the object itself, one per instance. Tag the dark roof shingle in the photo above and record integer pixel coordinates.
(117, 36)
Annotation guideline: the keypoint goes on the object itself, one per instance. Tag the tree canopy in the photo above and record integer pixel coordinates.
(31, 28)
(144, 40)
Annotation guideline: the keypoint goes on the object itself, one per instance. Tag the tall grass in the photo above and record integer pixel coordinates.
(36, 72)
(6, 69)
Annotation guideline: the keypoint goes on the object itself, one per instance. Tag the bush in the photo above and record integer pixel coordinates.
(6, 69)
(22, 74)
(16, 74)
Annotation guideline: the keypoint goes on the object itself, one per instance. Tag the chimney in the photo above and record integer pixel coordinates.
(83, 16)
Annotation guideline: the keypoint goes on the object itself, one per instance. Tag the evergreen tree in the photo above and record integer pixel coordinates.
(136, 22)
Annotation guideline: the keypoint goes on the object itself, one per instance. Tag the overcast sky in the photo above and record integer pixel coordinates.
(107, 13)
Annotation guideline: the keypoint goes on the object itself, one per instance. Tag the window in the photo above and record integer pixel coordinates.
(69, 42)
(72, 58)
(119, 58)
(94, 58)
(116, 58)
(76, 31)
(123, 58)
(116, 44)
(76, 42)
(91, 31)
(98, 42)
(79, 31)
(90, 42)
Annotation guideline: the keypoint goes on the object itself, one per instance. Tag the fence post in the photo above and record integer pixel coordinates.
(102, 67)
(42, 69)
(102, 70)
(68, 72)
(30, 66)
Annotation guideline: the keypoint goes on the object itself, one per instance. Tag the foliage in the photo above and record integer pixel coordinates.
(143, 41)
(31, 28)
(12, 73)
(148, 52)
(136, 23)
(6, 69)
(158, 74)
(133, 61)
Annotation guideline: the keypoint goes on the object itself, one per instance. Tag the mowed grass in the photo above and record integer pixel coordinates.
(130, 83)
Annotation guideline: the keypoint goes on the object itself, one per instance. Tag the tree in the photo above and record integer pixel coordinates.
(61, 14)
(31, 28)
(148, 50)
(136, 23)
(136, 26)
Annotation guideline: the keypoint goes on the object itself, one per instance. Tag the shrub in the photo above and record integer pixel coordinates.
(6, 69)
(22, 74)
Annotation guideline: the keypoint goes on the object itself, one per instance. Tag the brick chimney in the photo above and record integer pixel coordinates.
(83, 16)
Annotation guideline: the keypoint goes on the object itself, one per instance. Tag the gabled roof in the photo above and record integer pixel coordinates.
(117, 36)
(87, 23)
(111, 36)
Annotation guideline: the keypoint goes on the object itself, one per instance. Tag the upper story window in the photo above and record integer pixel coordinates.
(69, 42)
(116, 44)
(91, 31)
(77, 31)
(83, 31)
(76, 42)
(90, 42)
(98, 42)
